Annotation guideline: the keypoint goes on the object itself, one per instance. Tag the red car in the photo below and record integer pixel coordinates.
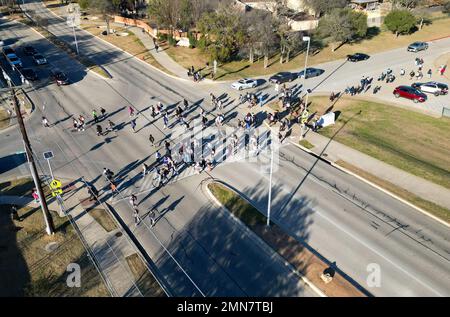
(409, 93)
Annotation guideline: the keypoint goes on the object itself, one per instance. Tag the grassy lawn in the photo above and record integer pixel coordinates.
(438, 211)
(144, 279)
(237, 205)
(406, 139)
(130, 43)
(384, 41)
(4, 118)
(103, 218)
(26, 267)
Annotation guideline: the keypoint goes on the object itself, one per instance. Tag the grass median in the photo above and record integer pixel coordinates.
(296, 253)
(28, 267)
(408, 140)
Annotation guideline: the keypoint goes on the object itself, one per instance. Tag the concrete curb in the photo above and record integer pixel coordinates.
(259, 240)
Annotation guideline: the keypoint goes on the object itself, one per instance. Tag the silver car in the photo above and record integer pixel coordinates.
(417, 46)
(39, 59)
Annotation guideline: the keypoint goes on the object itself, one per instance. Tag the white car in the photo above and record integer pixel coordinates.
(39, 59)
(244, 84)
(432, 87)
(14, 61)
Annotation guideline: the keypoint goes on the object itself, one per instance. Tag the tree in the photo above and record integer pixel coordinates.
(325, 6)
(342, 26)
(84, 4)
(406, 4)
(400, 21)
(223, 33)
(166, 12)
(106, 8)
(446, 8)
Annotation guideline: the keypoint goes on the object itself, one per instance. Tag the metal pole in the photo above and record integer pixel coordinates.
(50, 168)
(270, 187)
(47, 217)
(304, 78)
(75, 36)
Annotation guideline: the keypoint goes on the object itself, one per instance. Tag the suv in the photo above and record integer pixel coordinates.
(410, 93)
(14, 61)
(432, 87)
(59, 77)
(282, 77)
(417, 46)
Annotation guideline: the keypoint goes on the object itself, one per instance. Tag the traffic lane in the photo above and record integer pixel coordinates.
(196, 231)
(314, 197)
(56, 58)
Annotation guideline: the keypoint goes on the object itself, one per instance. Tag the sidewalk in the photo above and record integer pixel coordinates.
(161, 56)
(334, 151)
(109, 249)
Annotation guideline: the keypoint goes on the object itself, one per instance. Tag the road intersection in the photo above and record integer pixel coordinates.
(341, 218)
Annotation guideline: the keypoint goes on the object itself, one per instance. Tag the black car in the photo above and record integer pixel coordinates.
(357, 57)
(29, 50)
(282, 77)
(59, 77)
(29, 74)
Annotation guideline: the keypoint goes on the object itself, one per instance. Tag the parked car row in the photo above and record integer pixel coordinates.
(59, 77)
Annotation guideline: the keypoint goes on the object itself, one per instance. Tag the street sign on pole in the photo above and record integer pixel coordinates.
(48, 155)
(55, 184)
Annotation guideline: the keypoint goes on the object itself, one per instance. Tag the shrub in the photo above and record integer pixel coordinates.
(171, 40)
(162, 36)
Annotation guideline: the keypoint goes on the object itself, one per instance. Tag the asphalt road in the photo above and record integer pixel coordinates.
(341, 218)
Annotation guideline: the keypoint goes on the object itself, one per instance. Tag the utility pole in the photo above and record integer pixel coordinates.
(269, 202)
(50, 228)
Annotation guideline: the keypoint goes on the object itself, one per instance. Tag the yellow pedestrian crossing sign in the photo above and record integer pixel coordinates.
(57, 192)
(55, 184)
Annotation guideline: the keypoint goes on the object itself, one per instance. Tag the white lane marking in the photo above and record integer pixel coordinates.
(376, 252)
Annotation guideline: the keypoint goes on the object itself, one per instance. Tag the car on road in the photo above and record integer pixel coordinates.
(417, 46)
(8, 50)
(244, 84)
(357, 57)
(59, 77)
(432, 87)
(282, 77)
(39, 59)
(311, 72)
(14, 61)
(29, 74)
(409, 92)
(1, 42)
(29, 50)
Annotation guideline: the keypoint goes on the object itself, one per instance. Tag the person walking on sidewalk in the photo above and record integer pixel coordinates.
(82, 122)
(166, 120)
(45, 122)
(93, 192)
(133, 200)
(130, 111)
(94, 115)
(185, 104)
(137, 218)
(429, 72)
(152, 140)
(144, 170)
(99, 130)
(111, 126)
(133, 125)
(103, 112)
